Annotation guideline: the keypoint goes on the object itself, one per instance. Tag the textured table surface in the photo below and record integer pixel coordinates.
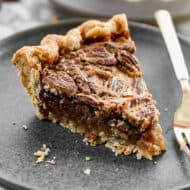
(24, 14)
(18, 15)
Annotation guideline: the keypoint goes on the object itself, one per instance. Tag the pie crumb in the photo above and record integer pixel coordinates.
(88, 158)
(155, 162)
(41, 154)
(87, 171)
(24, 127)
(51, 161)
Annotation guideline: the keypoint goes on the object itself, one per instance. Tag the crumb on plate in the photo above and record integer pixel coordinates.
(52, 161)
(24, 127)
(41, 154)
(88, 158)
(87, 171)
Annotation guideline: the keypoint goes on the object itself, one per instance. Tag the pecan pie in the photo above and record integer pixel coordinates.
(90, 81)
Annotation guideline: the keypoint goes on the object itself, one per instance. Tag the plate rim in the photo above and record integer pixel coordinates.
(135, 4)
(14, 184)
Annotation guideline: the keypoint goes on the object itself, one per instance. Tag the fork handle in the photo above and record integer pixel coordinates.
(168, 31)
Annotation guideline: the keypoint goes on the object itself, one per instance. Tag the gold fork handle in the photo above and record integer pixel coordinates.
(166, 26)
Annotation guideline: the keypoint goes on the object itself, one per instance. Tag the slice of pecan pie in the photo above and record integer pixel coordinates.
(90, 81)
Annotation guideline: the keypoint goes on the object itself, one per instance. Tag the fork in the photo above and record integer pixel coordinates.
(181, 121)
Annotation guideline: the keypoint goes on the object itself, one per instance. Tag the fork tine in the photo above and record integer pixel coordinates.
(187, 135)
(181, 141)
(186, 150)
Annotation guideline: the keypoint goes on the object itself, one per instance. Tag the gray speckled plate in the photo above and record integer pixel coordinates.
(142, 9)
(18, 170)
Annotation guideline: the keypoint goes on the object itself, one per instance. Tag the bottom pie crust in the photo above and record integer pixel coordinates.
(118, 146)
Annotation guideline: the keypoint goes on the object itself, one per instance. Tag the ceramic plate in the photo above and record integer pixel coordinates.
(18, 169)
(135, 9)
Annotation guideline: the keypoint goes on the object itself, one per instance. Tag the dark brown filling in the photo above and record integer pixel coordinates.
(83, 114)
(105, 76)
(96, 121)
